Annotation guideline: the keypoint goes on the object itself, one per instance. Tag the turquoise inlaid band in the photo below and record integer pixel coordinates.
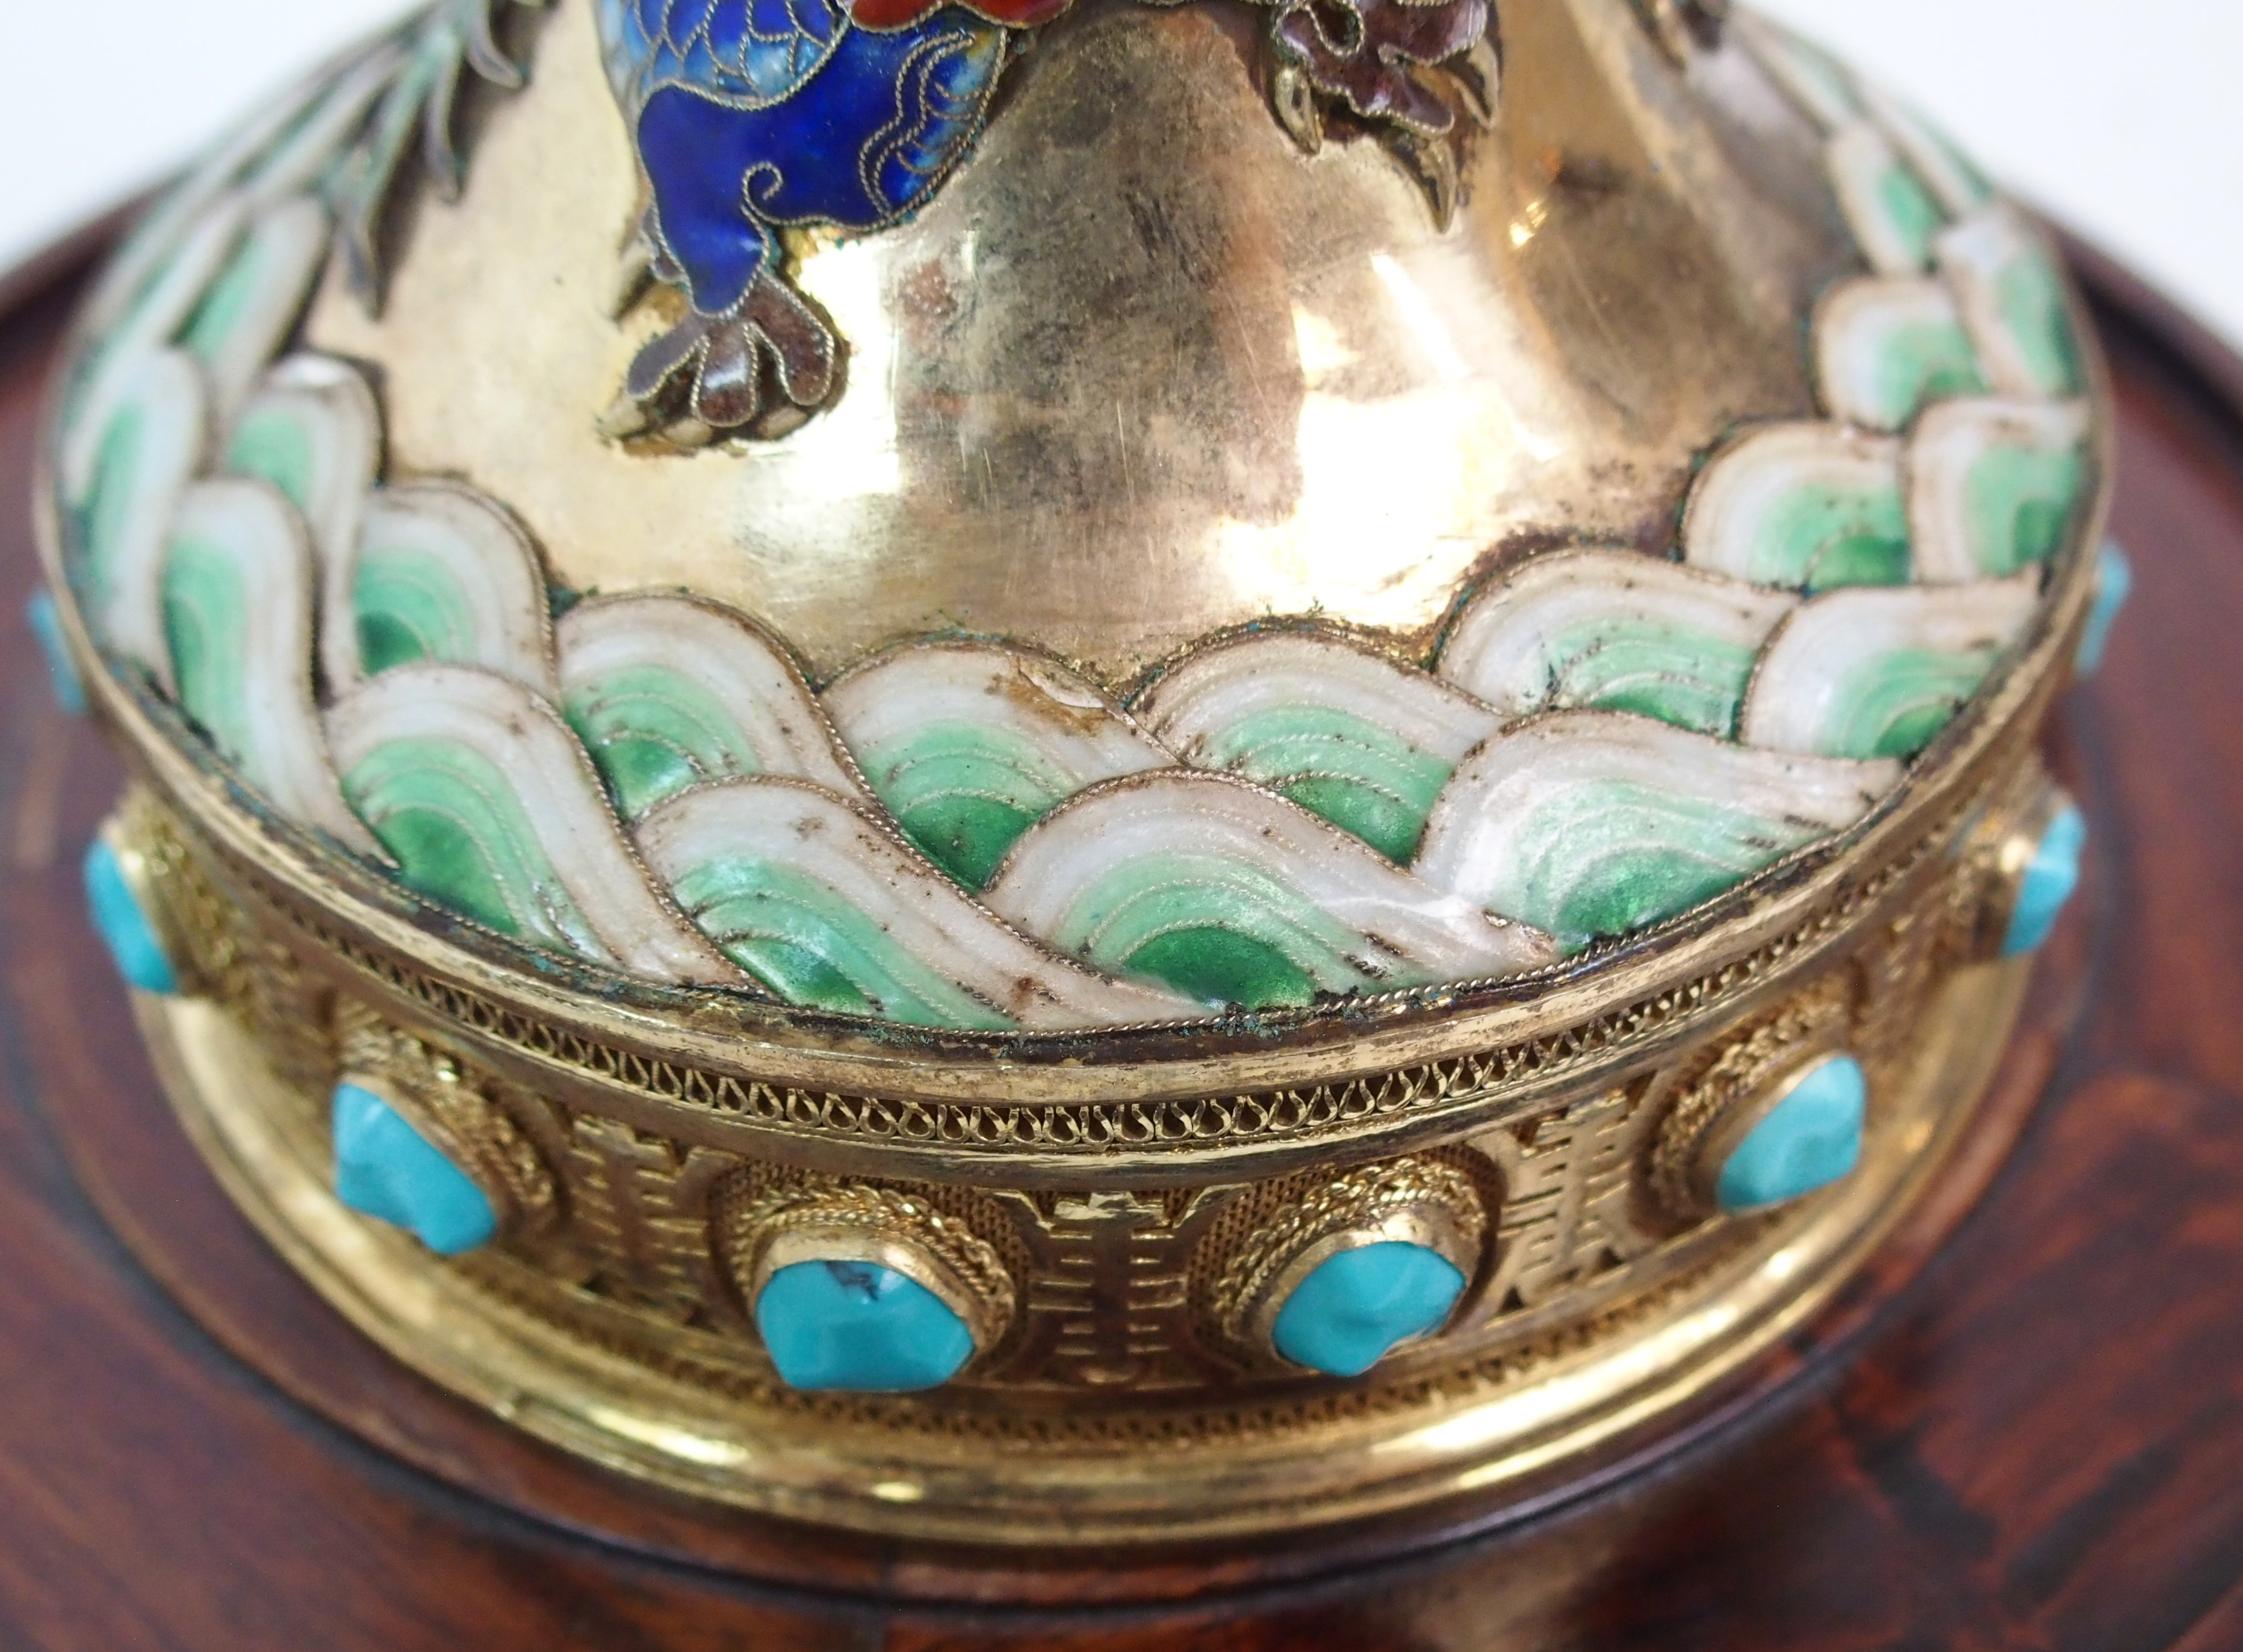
(388, 1170)
(1810, 1140)
(46, 622)
(2114, 585)
(858, 1327)
(2050, 877)
(1357, 1307)
(124, 924)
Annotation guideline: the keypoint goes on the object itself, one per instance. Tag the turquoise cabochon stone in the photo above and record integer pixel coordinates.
(2047, 886)
(388, 1170)
(2114, 583)
(1355, 1308)
(117, 914)
(1811, 1138)
(46, 623)
(857, 1327)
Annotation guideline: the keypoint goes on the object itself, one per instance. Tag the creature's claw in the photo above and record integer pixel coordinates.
(758, 370)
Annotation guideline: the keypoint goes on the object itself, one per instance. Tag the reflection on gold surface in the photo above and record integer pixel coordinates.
(1126, 381)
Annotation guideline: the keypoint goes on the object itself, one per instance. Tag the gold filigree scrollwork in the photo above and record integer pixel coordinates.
(825, 1219)
(1421, 1201)
(453, 1105)
(1748, 1066)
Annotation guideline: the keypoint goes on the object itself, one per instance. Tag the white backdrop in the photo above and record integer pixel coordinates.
(2120, 115)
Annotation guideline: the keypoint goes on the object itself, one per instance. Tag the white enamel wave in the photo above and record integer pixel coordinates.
(153, 443)
(313, 429)
(1203, 882)
(1615, 629)
(670, 692)
(438, 573)
(1801, 507)
(482, 794)
(1994, 484)
(1350, 735)
(1591, 824)
(1877, 672)
(969, 743)
(820, 902)
(238, 628)
(1887, 347)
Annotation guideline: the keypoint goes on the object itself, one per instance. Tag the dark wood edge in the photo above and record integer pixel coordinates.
(66, 260)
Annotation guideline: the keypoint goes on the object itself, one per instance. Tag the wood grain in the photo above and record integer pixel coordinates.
(2039, 1443)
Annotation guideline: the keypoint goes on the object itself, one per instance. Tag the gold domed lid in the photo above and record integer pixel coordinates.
(1027, 519)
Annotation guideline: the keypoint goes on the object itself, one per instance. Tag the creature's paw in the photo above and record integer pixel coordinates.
(1374, 60)
(759, 370)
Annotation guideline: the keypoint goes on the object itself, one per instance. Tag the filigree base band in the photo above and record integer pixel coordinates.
(1637, 1347)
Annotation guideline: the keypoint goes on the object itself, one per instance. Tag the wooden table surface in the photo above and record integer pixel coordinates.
(2038, 1444)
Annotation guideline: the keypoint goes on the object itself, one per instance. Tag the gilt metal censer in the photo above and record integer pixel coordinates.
(1045, 774)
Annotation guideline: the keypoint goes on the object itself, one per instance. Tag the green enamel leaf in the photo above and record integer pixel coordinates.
(811, 947)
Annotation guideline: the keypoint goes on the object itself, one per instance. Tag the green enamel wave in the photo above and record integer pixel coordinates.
(206, 607)
(275, 446)
(965, 792)
(1687, 678)
(2029, 295)
(1818, 536)
(2018, 502)
(1218, 929)
(813, 947)
(1893, 704)
(228, 304)
(1920, 363)
(118, 483)
(410, 607)
(1612, 856)
(1362, 778)
(1910, 214)
(653, 732)
(461, 837)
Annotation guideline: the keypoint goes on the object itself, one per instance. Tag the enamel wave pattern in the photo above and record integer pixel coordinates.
(1591, 825)
(1231, 895)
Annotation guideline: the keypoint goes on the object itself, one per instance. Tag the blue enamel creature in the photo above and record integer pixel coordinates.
(754, 115)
